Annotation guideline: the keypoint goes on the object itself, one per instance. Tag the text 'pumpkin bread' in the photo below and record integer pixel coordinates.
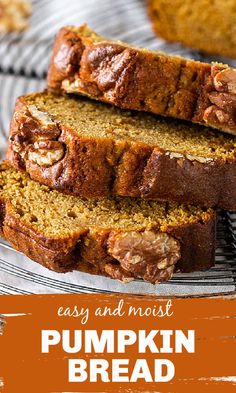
(121, 238)
(90, 149)
(132, 78)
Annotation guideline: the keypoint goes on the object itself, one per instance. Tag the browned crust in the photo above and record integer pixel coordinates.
(194, 239)
(140, 80)
(101, 167)
(88, 250)
(2, 215)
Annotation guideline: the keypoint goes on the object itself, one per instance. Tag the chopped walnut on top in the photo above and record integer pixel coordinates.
(222, 109)
(42, 117)
(14, 15)
(147, 254)
(36, 139)
(46, 153)
(225, 80)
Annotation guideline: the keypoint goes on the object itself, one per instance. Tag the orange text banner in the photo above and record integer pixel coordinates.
(107, 343)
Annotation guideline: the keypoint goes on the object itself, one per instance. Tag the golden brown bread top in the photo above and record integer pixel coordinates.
(139, 79)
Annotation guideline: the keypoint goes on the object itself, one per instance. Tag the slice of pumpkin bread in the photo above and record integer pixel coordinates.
(90, 149)
(203, 24)
(122, 238)
(133, 78)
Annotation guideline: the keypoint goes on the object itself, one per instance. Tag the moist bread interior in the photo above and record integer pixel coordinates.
(60, 215)
(93, 119)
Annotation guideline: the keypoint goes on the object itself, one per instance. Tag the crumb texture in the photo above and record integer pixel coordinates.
(118, 237)
(59, 215)
(90, 149)
(203, 24)
(93, 119)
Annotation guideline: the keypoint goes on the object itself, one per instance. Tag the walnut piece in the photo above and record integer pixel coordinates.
(42, 117)
(225, 80)
(213, 115)
(46, 153)
(116, 272)
(14, 15)
(147, 254)
(190, 157)
(222, 109)
(104, 71)
(70, 87)
(36, 137)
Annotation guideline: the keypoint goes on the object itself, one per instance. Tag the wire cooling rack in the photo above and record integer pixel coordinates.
(23, 64)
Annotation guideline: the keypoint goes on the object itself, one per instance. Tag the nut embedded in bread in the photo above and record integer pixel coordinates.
(120, 238)
(203, 24)
(133, 78)
(90, 149)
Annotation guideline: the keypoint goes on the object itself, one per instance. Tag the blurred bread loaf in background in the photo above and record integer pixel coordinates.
(202, 24)
(14, 15)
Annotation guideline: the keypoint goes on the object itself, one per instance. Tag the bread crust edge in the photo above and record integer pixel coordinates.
(99, 167)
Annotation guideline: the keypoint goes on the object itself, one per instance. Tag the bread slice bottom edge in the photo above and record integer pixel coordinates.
(113, 252)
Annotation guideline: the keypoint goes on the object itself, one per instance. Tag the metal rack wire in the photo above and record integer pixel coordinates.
(23, 63)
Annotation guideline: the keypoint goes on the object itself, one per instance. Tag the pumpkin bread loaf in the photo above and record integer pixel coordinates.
(122, 238)
(203, 24)
(139, 79)
(90, 149)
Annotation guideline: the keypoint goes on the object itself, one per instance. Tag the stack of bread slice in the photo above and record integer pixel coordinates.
(94, 183)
